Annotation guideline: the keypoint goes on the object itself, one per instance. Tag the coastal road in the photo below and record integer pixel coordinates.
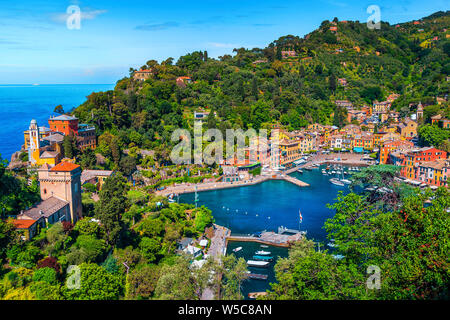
(216, 250)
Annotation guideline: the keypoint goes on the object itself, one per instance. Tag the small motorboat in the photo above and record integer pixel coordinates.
(264, 246)
(257, 276)
(300, 171)
(262, 258)
(257, 263)
(337, 182)
(346, 181)
(237, 249)
(262, 253)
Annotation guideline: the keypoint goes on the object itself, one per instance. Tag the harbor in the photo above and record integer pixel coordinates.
(272, 206)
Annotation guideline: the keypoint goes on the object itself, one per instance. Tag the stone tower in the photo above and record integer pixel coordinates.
(419, 114)
(33, 151)
(63, 181)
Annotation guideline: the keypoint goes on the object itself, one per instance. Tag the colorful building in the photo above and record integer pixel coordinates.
(394, 145)
(64, 124)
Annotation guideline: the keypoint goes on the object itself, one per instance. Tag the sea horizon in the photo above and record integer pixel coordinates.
(20, 103)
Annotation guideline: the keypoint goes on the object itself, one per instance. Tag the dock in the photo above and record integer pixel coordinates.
(270, 238)
(293, 180)
(191, 188)
(282, 230)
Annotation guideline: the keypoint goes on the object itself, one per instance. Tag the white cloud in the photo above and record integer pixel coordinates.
(222, 45)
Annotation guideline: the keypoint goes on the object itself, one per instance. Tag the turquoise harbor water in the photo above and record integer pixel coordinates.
(21, 103)
(267, 206)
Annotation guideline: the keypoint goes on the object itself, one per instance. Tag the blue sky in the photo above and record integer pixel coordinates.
(37, 47)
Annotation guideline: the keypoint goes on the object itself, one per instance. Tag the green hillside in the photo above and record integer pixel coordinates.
(254, 87)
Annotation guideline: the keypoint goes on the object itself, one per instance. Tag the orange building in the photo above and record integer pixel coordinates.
(390, 146)
(64, 124)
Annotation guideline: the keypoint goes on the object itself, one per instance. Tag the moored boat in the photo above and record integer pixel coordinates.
(337, 182)
(263, 258)
(237, 249)
(257, 276)
(257, 263)
(262, 253)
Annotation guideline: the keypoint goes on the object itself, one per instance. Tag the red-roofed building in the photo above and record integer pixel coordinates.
(181, 81)
(142, 74)
(28, 227)
(65, 167)
(63, 181)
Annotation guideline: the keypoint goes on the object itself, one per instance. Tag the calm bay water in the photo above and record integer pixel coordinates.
(271, 204)
(19, 104)
(267, 206)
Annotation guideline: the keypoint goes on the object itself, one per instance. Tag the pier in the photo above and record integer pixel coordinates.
(190, 188)
(293, 180)
(270, 238)
(282, 230)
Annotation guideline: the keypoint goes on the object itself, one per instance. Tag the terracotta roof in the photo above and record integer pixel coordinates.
(65, 167)
(23, 223)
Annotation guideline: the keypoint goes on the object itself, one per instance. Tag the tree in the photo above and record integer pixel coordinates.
(176, 282)
(432, 135)
(310, 275)
(7, 235)
(142, 281)
(332, 82)
(149, 248)
(255, 88)
(371, 94)
(69, 146)
(49, 262)
(127, 165)
(112, 204)
(340, 117)
(46, 275)
(234, 273)
(59, 109)
(88, 159)
(96, 284)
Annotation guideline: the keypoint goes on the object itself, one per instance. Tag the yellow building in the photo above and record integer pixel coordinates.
(408, 128)
(38, 155)
(290, 151)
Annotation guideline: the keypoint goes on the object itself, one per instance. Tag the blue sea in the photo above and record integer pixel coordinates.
(266, 206)
(19, 104)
